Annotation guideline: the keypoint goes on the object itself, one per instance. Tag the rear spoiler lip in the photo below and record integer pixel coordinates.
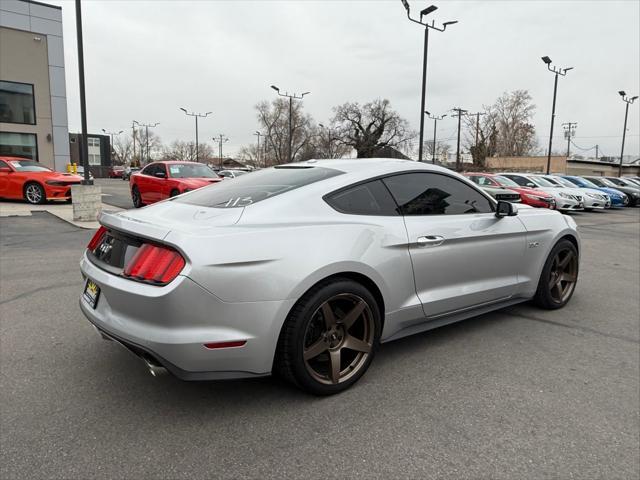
(121, 222)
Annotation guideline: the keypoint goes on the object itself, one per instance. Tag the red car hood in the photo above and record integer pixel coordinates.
(60, 177)
(194, 183)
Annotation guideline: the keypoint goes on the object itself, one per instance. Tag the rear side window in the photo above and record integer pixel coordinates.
(371, 198)
(435, 194)
(256, 186)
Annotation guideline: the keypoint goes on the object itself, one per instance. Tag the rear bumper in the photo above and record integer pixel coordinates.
(171, 324)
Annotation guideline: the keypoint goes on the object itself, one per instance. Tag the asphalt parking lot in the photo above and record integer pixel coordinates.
(519, 393)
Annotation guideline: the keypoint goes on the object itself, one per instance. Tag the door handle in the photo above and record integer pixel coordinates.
(430, 241)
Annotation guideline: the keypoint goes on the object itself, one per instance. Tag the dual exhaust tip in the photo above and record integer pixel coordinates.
(154, 368)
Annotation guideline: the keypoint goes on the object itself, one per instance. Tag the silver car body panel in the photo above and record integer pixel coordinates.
(247, 267)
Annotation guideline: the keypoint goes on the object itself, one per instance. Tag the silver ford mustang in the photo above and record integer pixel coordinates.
(304, 269)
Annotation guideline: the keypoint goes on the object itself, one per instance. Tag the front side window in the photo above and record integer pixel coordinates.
(435, 194)
(149, 169)
(371, 198)
(504, 181)
(17, 103)
(257, 186)
(541, 182)
(190, 170)
(18, 145)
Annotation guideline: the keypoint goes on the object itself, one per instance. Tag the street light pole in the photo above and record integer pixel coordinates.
(427, 26)
(84, 148)
(196, 115)
(628, 101)
(460, 112)
(569, 129)
(111, 134)
(146, 129)
(557, 71)
(291, 97)
(258, 149)
(435, 125)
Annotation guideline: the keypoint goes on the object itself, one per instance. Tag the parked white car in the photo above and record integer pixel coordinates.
(566, 198)
(593, 199)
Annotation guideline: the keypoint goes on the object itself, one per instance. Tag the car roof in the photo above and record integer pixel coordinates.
(173, 162)
(369, 167)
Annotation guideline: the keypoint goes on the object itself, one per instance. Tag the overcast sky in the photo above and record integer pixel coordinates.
(145, 59)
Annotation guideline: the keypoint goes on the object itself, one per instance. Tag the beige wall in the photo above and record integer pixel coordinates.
(602, 169)
(527, 164)
(24, 59)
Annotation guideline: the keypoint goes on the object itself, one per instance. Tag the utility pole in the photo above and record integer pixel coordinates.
(291, 97)
(477, 115)
(628, 101)
(258, 149)
(435, 119)
(597, 146)
(220, 139)
(569, 130)
(427, 26)
(460, 113)
(557, 71)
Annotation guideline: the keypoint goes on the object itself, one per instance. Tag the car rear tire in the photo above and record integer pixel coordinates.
(329, 338)
(559, 276)
(34, 193)
(174, 193)
(136, 197)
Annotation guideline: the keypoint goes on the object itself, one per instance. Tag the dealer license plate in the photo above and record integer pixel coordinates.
(91, 293)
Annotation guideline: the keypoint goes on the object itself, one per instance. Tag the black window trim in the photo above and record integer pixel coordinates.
(33, 99)
(326, 196)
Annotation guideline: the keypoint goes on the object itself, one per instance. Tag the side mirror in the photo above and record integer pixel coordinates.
(5, 170)
(506, 209)
(160, 175)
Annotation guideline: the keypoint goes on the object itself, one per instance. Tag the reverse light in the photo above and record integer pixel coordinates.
(154, 264)
(96, 239)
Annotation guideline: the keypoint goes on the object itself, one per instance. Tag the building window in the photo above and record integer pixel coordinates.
(22, 145)
(93, 147)
(17, 103)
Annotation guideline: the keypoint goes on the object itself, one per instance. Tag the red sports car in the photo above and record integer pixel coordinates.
(529, 196)
(160, 180)
(116, 172)
(26, 179)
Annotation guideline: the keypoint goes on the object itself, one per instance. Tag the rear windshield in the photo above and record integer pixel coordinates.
(256, 186)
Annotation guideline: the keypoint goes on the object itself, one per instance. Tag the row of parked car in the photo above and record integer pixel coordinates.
(561, 192)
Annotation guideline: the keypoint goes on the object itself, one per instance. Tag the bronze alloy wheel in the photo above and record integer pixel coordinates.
(563, 275)
(338, 339)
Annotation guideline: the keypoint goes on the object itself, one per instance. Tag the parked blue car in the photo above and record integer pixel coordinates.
(618, 199)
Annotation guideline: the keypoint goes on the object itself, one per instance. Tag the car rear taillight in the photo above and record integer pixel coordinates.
(96, 239)
(155, 264)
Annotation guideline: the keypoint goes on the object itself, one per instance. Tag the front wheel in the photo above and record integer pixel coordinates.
(330, 337)
(34, 193)
(136, 197)
(559, 276)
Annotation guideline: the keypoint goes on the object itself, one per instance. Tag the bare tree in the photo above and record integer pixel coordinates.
(147, 148)
(274, 121)
(442, 150)
(122, 149)
(186, 152)
(505, 130)
(368, 128)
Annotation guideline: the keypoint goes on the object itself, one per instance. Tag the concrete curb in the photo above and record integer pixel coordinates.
(63, 211)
